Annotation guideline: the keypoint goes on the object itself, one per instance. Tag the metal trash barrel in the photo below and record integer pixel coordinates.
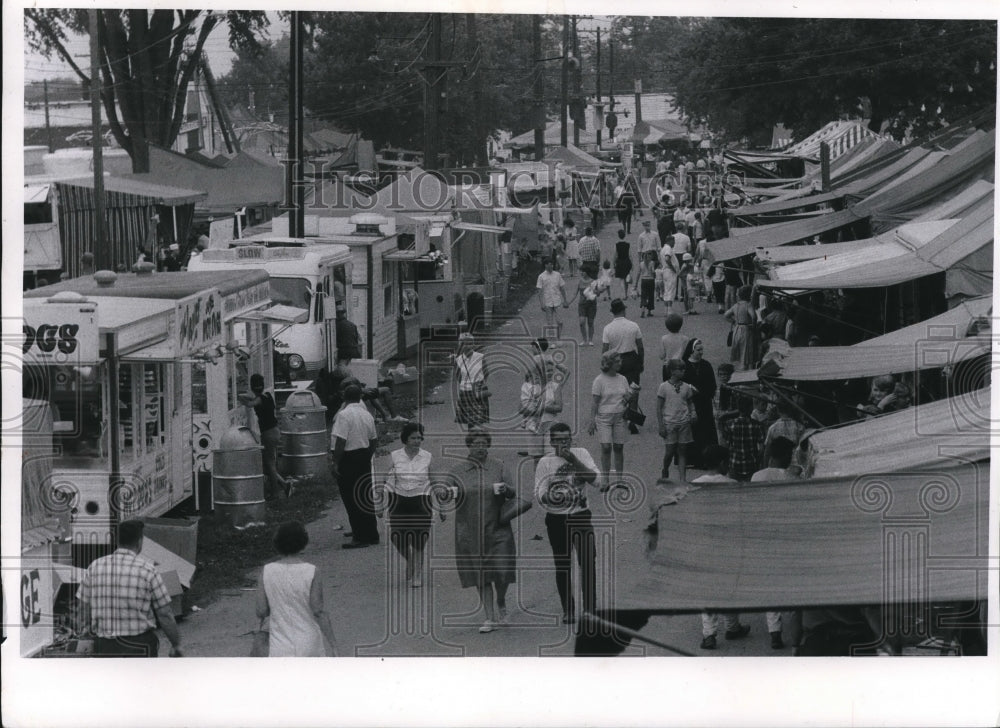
(238, 477)
(304, 437)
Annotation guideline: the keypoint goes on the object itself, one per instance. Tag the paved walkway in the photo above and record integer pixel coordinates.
(374, 613)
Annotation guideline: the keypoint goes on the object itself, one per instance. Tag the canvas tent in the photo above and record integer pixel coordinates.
(934, 435)
(840, 136)
(963, 322)
(553, 136)
(722, 548)
(245, 181)
(963, 251)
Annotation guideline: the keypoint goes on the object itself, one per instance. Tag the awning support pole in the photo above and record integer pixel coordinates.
(631, 633)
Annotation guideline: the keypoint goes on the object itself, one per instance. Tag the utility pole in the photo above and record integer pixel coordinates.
(102, 253)
(433, 88)
(612, 116)
(564, 92)
(48, 129)
(597, 93)
(577, 92)
(294, 192)
(539, 88)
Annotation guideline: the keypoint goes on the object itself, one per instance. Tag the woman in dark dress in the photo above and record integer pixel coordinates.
(699, 374)
(623, 262)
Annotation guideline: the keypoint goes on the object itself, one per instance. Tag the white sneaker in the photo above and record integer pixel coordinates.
(488, 626)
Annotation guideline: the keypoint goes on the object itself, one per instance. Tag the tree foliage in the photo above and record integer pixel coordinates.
(147, 61)
(742, 75)
(365, 72)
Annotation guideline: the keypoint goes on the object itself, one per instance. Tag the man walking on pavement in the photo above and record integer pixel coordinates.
(123, 597)
(590, 251)
(353, 443)
(552, 294)
(560, 479)
(623, 336)
(649, 242)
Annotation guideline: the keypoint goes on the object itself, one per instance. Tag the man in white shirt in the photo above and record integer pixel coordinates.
(551, 293)
(682, 242)
(623, 336)
(560, 479)
(649, 242)
(353, 440)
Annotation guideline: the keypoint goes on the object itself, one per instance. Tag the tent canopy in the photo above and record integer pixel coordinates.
(813, 543)
(161, 194)
(841, 136)
(951, 247)
(900, 241)
(952, 325)
(937, 434)
(573, 157)
(831, 363)
(780, 234)
(553, 136)
(245, 180)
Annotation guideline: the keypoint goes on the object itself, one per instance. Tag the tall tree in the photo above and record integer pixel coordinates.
(147, 61)
(742, 75)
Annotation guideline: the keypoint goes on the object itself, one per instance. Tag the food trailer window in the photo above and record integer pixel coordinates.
(199, 388)
(75, 397)
(291, 292)
(388, 289)
(37, 213)
(238, 367)
(153, 406)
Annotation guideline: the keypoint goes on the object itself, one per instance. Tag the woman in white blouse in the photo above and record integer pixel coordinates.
(408, 501)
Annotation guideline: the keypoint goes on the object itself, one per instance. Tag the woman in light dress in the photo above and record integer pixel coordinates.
(290, 597)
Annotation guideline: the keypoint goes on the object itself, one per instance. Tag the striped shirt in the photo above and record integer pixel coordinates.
(123, 590)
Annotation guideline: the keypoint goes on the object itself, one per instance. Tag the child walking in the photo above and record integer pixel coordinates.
(604, 279)
(674, 415)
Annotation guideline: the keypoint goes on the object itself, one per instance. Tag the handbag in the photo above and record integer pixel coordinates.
(512, 509)
(729, 338)
(634, 415)
(261, 646)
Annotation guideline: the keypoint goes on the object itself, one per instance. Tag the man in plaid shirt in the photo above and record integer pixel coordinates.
(122, 597)
(745, 437)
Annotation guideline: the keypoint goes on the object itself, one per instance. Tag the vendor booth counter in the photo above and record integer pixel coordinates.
(139, 372)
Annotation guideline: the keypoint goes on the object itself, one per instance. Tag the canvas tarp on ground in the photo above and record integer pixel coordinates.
(821, 542)
(951, 249)
(933, 435)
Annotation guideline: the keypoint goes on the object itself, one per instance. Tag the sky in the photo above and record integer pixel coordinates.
(220, 56)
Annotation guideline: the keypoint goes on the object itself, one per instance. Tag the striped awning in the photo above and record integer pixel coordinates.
(129, 225)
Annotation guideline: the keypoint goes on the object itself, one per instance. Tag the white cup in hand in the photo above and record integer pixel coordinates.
(498, 488)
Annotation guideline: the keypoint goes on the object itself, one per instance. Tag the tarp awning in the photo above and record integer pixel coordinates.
(829, 363)
(961, 240)
(277, 314)
(900, 241)
(798, 253)
(478, 227)
(815, 543)
(34, 194)
(729, 248)
(162, 194)
(952, 325)
(937, 434)
(804, 199)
